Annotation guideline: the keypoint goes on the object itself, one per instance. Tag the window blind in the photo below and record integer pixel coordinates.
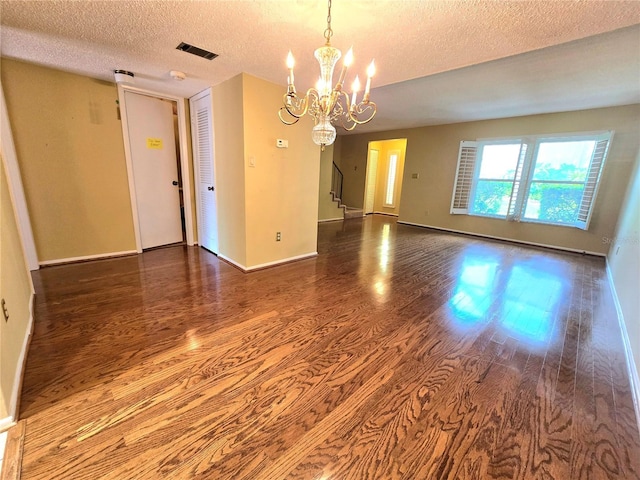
(464, 177)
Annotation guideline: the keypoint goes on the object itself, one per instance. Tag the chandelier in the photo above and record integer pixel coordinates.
(326, 104)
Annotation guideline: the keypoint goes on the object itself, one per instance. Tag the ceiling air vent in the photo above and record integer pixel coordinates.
(185, 47)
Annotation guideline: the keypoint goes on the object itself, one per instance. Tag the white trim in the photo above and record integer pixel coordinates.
(493, 237)
(634, 380)
(6, 423)
(268, 264)
(127, 156)
(370, 177)
(184, 167)
(232, 262)
(11, 418)
(330, 219)
(98, 256)
(16, 189)
(375, 212)
(184, 159)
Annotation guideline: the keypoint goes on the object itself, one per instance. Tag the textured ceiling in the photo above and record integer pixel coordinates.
(544, 55)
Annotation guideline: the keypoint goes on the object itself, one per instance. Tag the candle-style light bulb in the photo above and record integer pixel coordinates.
(290, 63)
(371, 71)
(348, 60)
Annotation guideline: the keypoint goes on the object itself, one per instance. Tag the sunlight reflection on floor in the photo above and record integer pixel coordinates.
(521, 297)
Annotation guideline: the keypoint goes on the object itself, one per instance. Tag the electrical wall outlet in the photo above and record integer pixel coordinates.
(278, 236)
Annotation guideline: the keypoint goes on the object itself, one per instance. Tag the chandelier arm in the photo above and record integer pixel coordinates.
(286, 122)
(294, 105)
(348, 115)
(292, 113)
(351, 121)
(338, 110)
(369, 108)
(312, 103)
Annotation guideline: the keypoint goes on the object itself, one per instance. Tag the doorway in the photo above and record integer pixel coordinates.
(385, 171)
(155, 139)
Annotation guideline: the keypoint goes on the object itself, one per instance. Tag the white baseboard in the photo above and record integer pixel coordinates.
(232, 262)
(385, 213)
(268, 264)
(6, 423)
(12, 417)
(493, 237)
(88, 257)
(634, 380)
(330, 219)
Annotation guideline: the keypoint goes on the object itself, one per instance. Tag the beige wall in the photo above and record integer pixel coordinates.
(624, 262)
(282, 189)
(16, 289)
(432, 153)
(70, 150)
(279, 193)
(229, 159)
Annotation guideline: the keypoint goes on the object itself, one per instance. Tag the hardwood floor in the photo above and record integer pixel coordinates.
(398, 352)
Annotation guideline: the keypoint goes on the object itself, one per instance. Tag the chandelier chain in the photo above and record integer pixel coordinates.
(328, 33)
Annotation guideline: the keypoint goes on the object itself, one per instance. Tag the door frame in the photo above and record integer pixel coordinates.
(16, 188)
(184, 159)
(368, 183)
(196, 164)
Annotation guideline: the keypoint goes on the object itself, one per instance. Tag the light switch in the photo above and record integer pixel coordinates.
(252, 161)
(280, 143)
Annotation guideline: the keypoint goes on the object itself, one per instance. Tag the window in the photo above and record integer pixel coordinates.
(544, 179)
(391, 180)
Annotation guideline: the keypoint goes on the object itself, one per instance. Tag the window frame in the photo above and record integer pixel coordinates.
(481, 144)
(471, 153)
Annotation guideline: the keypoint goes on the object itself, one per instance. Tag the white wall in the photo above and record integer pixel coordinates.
(624, 267)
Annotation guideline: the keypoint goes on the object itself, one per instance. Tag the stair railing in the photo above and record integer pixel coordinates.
(336, 181)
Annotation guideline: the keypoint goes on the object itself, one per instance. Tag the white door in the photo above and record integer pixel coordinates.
(155, 169)
(372, 174)
(202, 134)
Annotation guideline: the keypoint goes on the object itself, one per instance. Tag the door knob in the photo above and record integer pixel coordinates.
(175, 183)
(211, 189)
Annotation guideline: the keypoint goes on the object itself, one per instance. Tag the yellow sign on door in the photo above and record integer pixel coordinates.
(154, 143)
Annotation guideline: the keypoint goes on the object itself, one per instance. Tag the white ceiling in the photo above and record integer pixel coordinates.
(438, 61)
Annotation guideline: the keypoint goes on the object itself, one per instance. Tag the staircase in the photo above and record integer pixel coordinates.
(336, 194)
(351, 212)
(347, 212)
